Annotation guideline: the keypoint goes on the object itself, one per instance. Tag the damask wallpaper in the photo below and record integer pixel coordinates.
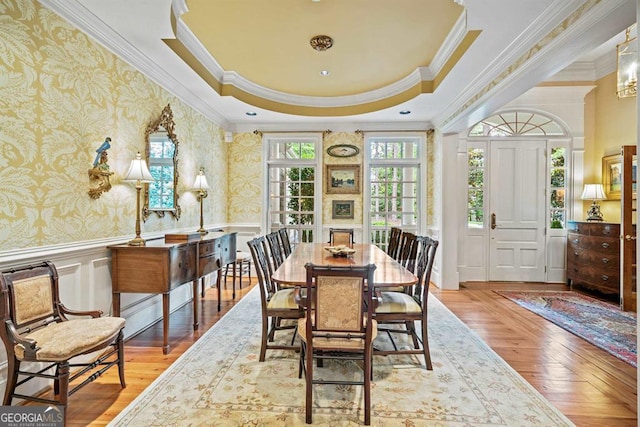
(61, 95)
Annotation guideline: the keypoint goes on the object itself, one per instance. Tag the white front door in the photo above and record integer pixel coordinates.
(517, 211)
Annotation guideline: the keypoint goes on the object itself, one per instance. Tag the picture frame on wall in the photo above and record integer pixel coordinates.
(612, 176)
(342, 209)
(343, 179)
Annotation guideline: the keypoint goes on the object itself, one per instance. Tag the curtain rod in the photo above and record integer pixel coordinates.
(260, 132)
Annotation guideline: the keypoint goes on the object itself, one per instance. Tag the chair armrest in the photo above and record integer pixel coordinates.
(92, 313)
(30, 345)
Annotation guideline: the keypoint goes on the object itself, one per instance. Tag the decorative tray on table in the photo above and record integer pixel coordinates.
(340, 250)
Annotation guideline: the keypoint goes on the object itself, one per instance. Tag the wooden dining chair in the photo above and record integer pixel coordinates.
(275, 249)
(341, 236)
(405, 308)
(394, 242)
(285, 242)
(276, 305)
(408, 250)
(337, 327)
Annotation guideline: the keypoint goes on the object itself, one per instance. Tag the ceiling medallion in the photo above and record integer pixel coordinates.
(321, 43)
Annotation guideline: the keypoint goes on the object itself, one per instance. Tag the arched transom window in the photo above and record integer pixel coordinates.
(517, 123)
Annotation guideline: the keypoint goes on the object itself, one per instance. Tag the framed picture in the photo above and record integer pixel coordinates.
(343, 179)
(342, 209)
(612, 176)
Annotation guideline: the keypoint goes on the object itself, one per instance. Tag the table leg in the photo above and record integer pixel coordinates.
(165, 323)
(195, 285)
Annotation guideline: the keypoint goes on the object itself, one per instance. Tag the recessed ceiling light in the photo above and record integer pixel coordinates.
(251, 113)
(324, 73)
(405, 112)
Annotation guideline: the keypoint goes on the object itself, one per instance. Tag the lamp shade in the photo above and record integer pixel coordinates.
(138, 171)
(201, 182)
(593, 192)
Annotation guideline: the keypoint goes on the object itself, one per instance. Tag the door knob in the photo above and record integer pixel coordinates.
(493, 221)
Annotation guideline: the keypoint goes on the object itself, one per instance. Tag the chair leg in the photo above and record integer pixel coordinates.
(425, 345)
(309, 386)
(13, 366)
(63, 382)
(411, 327)
(120, 344)
(367, 385)
(265, 329)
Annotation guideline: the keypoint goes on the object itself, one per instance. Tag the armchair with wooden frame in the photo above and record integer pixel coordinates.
(405, 308)
(40, 335)
(337, 328)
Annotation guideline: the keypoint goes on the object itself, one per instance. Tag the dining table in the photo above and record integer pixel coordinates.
(388, 273)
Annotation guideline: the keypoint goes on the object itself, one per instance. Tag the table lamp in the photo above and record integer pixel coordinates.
(201, 186)
(593, 192)
(139, 173)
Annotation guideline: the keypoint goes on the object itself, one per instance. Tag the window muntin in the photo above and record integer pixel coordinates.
(517, 123)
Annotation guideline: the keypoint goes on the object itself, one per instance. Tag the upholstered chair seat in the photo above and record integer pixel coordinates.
(397, 302)
(62, 341)
(283, 299)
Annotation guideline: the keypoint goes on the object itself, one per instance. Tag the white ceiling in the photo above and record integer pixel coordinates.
(521, 44)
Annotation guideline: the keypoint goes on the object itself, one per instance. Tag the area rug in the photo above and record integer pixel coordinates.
(220, 382)
(602, 324)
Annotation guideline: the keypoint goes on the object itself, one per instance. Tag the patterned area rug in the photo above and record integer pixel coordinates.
(602, 324)
(220, 382)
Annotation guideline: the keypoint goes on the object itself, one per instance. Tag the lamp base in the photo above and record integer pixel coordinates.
(137, 241)
(594, 214)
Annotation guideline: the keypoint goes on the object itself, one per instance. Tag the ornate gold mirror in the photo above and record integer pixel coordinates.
(162, 157)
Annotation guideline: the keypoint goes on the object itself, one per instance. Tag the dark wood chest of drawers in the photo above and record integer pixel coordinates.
(593, 256)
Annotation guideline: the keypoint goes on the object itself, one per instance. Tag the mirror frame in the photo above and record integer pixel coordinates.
(163, 123)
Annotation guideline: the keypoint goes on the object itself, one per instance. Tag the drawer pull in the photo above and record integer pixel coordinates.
(605, 245)
(605, 260)
(604, 277)
(576, 241)
(576, 253)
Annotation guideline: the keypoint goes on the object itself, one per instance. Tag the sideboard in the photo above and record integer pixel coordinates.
(593, 256)
(161, 266)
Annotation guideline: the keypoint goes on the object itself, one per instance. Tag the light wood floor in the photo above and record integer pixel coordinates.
(591, 387)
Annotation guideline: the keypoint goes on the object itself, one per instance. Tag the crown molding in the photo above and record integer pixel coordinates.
(77, 14)
(335, 126)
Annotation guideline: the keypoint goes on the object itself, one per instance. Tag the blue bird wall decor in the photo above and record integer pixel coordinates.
(104, 147)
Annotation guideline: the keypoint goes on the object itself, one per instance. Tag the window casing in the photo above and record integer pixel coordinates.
(393, 186)
(294, 185)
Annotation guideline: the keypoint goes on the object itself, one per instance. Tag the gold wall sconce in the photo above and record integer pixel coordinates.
(138, 173)
(201, 186)
(627, 78)
(99, 174)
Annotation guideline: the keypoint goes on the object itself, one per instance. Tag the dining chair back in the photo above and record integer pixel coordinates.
(408, 251)
(337, 327)
(393, 245)
(277, 257)
(39, 330)
(285, 242)
(276, 305)
(405, 308)
(341, 236)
